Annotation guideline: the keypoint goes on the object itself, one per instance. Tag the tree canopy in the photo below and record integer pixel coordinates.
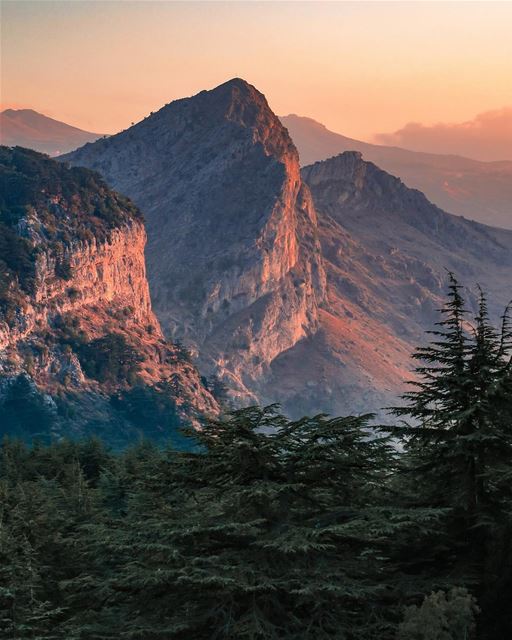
(262, 527)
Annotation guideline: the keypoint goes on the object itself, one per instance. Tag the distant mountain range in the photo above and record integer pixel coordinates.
(477, 190)
(310, 290)
(33, 130)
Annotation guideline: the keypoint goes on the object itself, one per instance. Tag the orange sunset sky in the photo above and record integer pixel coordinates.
(361, 68)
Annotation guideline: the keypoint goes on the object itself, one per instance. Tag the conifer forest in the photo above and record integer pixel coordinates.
(257, 526)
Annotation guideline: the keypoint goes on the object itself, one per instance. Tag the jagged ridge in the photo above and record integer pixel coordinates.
(386, 251)
(233, 253)
(238, 257)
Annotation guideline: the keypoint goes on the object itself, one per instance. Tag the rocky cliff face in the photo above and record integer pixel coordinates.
(233, 253)
(101, 273)
(386, 252)
(315, 306)
(75, 312)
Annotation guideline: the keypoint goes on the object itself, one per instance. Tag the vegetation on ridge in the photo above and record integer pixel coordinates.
(45, 205)
(267, 528)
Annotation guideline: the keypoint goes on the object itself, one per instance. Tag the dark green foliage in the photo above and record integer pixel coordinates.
(217, 388)
(63, 269)
(109, 359)
(17, 270)
(45, 494)
(16, 256)
(181, 352)
(441, 616)
(23, 612)
(266, 528)
(152, 410)
(463, 401)
(263, 542)
(24, 410)
(31, 179)
(219, 391)
(129, 415)
(60, 204)
(459, 457)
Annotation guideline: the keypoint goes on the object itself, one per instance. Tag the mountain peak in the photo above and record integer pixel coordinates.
(223, 97)
(234, 105)
(33, 130)
(237, 88)
(314, 306)
(233, 251)
(344, 168)
(358, 181)
(302, 120)
(241, 100)
(239, 83)
(347, 157)
(21, 112)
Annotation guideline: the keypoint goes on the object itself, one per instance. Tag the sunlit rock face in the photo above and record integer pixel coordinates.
(73, 274)
(386, 252)
(316, 304)
(233, 253)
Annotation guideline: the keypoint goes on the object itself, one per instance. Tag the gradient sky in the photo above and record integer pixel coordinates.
(358, 67)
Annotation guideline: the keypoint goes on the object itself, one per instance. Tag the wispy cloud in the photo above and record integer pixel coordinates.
(487, 137)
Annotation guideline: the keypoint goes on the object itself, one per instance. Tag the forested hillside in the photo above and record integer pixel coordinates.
(266, 528)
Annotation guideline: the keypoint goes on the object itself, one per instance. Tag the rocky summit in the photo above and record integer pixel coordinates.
(81, 351)
(314, 303)
(233, 253)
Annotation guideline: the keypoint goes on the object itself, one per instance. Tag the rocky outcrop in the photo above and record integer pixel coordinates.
(233, 253)
(102, 273)
(75, 310)
(386, 252)
(317, 306)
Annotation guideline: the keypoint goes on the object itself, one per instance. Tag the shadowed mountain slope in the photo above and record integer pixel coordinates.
(478, 190)
(317, 307)
(233, 254)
